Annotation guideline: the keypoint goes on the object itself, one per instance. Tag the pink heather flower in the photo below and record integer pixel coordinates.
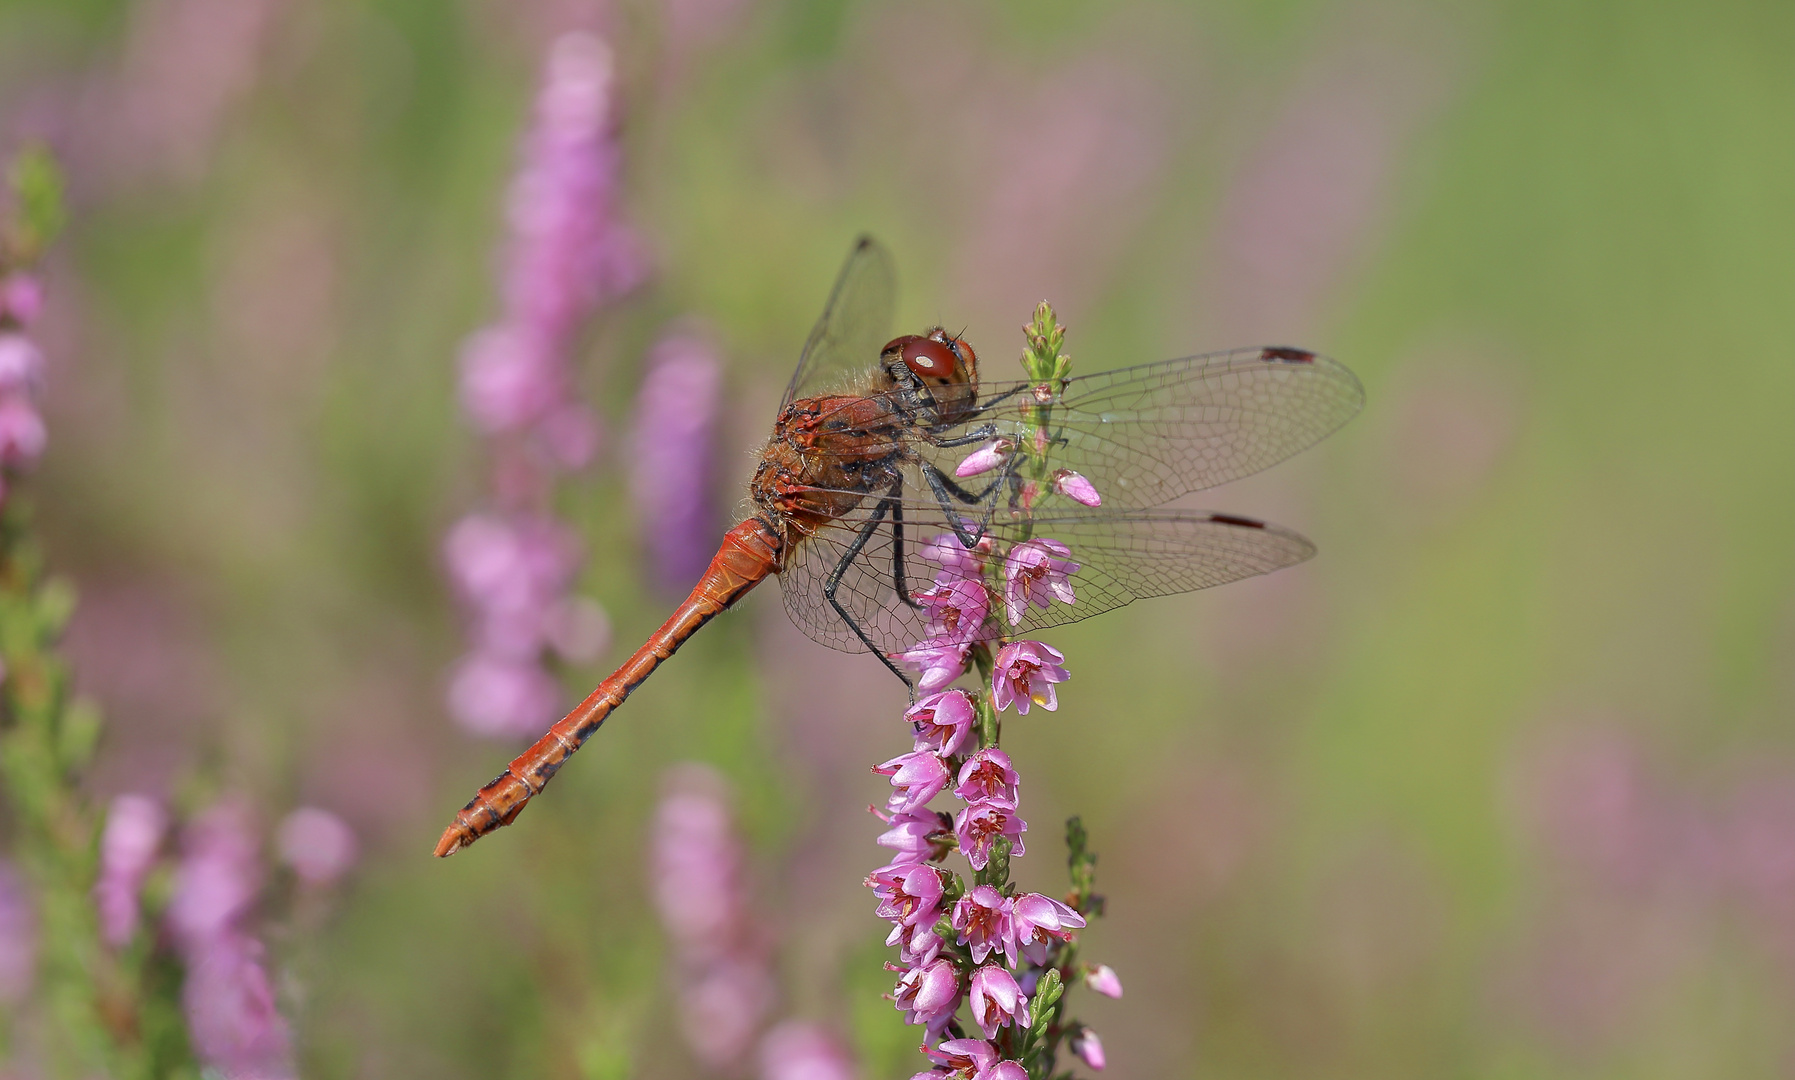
(22, 432)
(218, 877)
(672, 458)
(1076, 487)
(21, 363)
(230, 1011)
(1025, 672)
(1005, 1070)
(1102, 979)
(980, 825)
(942, 721)
(988, 777)
(916, 778)
(1037, 572)
(1089, 1048)
(318, 845)
(18, 938)
(1040, 921)
(129, 843)
(910, 834)
(957, 609)
(798, 1051)
(967, 1057)
(696, 863)
(955, 558)
(982, 917)
(995, 999)
(928, 994)
(21, 298)
(937, 664)
(498, 696)
(908, 895)
(985, 458)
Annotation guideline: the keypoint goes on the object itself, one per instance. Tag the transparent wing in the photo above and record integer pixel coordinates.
(1146, 435)
(855, 324)
(1122, 556)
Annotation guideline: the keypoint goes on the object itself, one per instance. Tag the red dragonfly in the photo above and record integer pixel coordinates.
(857, 488)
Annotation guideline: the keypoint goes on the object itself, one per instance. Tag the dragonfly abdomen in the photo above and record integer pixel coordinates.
(750, 553)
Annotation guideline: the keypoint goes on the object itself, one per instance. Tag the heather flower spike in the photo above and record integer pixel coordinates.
(974, 940)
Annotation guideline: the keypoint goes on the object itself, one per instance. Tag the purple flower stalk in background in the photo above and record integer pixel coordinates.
(135, 825)
(696, 867)
(671, 472)
(568, 252)
(18, 937)
(1007, 956)
(227, 996)
(799, 1051)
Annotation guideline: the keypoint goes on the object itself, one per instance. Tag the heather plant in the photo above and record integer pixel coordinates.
(977, 943)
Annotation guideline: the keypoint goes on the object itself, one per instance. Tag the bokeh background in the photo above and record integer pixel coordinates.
(1500, 785)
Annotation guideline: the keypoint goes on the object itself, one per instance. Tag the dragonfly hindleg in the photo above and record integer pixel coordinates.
(830, 586)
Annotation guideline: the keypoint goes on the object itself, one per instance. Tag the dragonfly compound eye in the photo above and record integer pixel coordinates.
(930, 360)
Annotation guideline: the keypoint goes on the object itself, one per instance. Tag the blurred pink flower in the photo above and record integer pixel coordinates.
(231, 1013)
(1025, 672)
(995, 999)
(18, 937)
(1102, 978)
(218, 877)
(495, 696)
(672, 466)
(569, 249)
(510, 378)
(318, 845)
(1088, 1048)
(796, 1050)
(696, 871)
(21, 363)
(21, 298)
(129, 844)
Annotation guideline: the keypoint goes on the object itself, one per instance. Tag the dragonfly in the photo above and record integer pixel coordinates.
(860, 490)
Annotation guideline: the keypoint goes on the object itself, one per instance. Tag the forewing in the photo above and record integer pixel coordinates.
(1149, 434)
(1122, 556)
(855, 323)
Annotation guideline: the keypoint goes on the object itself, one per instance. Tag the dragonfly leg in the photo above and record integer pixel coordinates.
(841, 568)
(946, 491)
(898, 577)
(977, 434)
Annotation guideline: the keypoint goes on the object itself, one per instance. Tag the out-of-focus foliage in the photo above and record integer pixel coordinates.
(1501, 784)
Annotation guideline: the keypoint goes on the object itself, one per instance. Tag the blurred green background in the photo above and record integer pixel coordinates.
(1500, 785)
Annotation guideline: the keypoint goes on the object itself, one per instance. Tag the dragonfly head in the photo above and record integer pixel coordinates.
(936, 367)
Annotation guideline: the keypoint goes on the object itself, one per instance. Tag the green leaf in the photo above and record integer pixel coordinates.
(37, 186)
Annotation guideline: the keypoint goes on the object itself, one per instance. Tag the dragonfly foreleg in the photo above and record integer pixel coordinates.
(946, 491)
(977, 434)
(853, 551)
